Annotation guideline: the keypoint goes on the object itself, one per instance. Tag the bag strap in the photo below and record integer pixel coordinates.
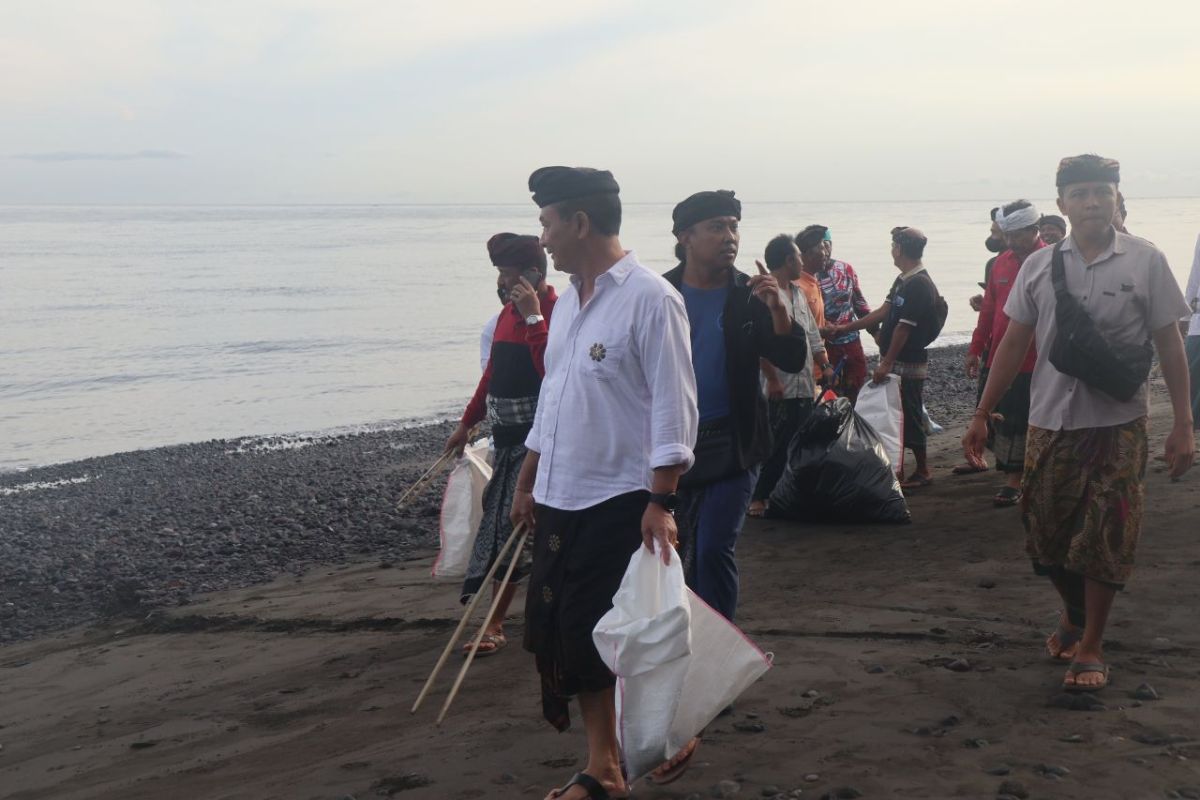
(1058, 272)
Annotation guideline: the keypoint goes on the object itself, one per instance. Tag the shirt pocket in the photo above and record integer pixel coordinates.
(602, 358)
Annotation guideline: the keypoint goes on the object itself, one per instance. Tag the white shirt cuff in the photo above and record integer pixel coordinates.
(670, 455)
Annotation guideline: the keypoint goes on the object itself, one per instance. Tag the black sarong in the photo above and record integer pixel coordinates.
(579, 559)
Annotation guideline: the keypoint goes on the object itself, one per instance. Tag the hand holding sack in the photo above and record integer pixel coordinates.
(677, 662)
(462, 509)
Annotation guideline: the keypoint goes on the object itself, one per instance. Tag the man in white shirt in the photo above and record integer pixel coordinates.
(615, 427)
(1192, 297)
(790, 395)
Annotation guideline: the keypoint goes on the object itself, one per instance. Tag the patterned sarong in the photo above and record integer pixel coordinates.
(1082, 499)
(495, 526)
(1007, 439)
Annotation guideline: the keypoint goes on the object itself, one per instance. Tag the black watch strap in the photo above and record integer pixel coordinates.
(669, 501)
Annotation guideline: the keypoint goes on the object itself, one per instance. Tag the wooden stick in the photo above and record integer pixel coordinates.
(423, 480)
(428, 475)
(467, 615)
(462, 673)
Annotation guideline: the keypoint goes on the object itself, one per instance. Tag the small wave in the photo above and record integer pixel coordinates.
(39, 485)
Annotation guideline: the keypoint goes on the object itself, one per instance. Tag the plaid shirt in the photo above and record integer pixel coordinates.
(844, 301)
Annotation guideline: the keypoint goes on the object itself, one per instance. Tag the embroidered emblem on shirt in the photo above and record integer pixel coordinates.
(597, 352)
(555, 543)
(547, 595)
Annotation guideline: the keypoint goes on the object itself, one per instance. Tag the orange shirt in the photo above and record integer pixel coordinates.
(811, 286)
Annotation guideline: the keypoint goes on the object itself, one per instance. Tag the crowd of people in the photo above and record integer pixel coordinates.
(652, 410)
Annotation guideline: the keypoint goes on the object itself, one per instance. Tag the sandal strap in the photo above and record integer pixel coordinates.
(1079, 669)
(593, 787)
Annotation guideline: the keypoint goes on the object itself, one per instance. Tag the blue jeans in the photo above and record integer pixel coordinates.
(710, 519)
(1193, 354)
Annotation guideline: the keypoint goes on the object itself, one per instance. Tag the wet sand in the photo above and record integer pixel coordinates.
(301, 688)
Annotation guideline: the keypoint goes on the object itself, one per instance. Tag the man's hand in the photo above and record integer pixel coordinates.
(1180, 449)
(972, 364)
(525, 298)
(522, 509)
(881, 373)
(766, 288)
(774, 388)
(458, 440)
(658, 528)
(976, 302)
(975, 439)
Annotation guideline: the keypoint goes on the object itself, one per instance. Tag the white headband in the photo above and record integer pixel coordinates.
(1018, 219)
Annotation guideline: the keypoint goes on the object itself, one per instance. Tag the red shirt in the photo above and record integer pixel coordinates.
(513, 346)
(993, 322)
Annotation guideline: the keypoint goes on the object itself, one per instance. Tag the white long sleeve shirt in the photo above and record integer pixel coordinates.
(619, 395)
(1192, 295)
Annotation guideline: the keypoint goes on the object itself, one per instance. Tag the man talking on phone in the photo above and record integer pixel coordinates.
(507, 396)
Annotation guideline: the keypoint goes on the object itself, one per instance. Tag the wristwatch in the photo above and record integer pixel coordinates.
(534, 319)
(669, 501)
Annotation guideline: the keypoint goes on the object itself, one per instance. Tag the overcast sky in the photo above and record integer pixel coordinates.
(407, 101)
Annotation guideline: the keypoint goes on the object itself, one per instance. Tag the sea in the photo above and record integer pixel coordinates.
(124, 328)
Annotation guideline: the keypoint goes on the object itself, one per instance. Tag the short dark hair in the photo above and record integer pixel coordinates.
(680, 252)
(603, 211)
(910, 246)
(778, 251)
(994, 212)
(1121, 206)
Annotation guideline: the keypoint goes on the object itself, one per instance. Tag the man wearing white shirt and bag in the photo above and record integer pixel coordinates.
(615, 427)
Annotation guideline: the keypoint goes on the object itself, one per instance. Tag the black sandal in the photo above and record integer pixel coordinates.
(594, 788)
(1006, 497)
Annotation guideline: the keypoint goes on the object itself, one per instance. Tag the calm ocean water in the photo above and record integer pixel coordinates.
(125, 328)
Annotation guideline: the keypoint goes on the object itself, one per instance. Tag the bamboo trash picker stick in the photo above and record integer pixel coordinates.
(462, 673)
(423, 481)
(467, 615)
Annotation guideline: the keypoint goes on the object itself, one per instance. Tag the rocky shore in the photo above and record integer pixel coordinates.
(126, 533)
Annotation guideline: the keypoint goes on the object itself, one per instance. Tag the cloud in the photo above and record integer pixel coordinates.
(70, 155)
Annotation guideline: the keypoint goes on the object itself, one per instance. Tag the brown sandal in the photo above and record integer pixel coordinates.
(489, 645)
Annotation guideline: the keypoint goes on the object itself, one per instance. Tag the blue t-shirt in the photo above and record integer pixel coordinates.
(706, 313)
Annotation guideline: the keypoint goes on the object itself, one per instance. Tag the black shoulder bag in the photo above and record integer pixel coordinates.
(1079, 350)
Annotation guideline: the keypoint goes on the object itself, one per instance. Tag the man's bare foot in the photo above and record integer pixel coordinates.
(1064, 642)
(583, 786)
(757, 508)
(673, 768)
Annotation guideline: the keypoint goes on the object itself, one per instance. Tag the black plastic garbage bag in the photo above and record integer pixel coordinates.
(837, 472)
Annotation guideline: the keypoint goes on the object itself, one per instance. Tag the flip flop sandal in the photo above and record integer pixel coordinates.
(594, 788)
(968, 469)
(1067, 638)
(496, 642)
(756, 512)
(1080, 669)
(1007, 497)
(676, 772)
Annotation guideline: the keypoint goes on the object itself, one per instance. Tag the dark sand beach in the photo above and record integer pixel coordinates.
(201, 622)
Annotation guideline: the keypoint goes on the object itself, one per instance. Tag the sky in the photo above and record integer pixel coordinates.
(411, 101)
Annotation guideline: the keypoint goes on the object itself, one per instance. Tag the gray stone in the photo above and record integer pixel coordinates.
(1145, 691)
(1014, 788)
(959, 665)
(999, 771)
(876, 669)
(726, 789)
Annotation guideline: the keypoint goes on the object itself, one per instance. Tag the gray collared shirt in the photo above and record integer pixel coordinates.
(1130, 293)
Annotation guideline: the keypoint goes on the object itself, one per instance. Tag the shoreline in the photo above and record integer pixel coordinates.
(123, 534)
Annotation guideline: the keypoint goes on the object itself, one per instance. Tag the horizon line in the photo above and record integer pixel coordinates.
(365, 204)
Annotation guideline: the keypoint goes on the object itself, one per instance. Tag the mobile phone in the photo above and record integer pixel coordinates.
(532, 276)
